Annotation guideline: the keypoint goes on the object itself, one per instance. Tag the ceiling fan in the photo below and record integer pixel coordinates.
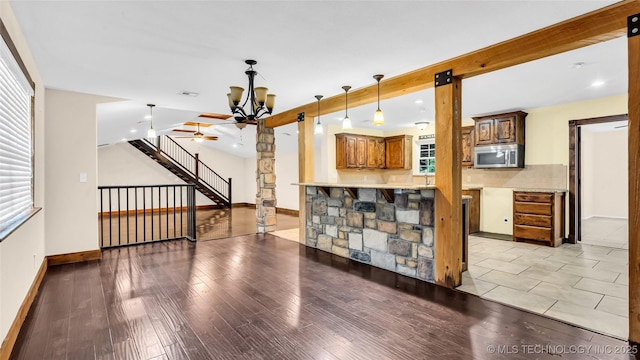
(238, 122)
(197, 135)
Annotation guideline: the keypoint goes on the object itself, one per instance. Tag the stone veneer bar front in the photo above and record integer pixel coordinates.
(358, 222)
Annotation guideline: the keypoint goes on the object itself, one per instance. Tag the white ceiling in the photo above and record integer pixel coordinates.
(149, 51)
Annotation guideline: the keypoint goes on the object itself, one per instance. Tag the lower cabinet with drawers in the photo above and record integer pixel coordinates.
(538, 216)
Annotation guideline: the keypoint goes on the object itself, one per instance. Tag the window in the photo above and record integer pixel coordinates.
(427, 158)
(16, 148)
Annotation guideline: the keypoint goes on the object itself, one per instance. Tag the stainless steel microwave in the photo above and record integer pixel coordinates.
(499, 156)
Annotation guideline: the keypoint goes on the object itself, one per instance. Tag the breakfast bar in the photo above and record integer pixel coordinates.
(385, 225)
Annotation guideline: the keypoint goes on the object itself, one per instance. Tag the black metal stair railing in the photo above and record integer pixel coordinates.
(202, 174)
(140, 214)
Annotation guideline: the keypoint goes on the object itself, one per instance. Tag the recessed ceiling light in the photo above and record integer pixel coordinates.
(133, 131)
(235, 145)
(597, 83)
(577, 65)
(419, 101)
(124, 139)
(189, 93)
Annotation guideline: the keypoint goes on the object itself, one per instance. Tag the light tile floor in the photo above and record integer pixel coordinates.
(605, 232)
(586, 285)
(580, 284)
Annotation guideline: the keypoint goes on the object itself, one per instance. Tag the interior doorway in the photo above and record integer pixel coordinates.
(598, 181)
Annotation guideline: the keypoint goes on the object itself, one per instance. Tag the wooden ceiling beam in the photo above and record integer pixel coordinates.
(588, 29)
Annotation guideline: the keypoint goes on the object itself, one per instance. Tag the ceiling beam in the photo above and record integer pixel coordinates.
(588, 29)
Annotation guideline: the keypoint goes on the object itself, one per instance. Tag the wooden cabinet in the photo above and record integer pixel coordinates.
(468, 142)
(473, 209)
(538, 216)
(505, 128)
(376, 157)
(373, 152)
(398, 152)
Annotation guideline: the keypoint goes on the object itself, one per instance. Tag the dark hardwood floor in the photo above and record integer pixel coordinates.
(262, 297)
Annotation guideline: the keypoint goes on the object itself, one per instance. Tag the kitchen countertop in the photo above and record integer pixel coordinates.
(370, 186)
(542, 190)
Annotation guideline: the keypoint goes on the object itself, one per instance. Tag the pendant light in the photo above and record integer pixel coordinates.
(378, 118)
(318, 128)
(151, 133)
(346, 122)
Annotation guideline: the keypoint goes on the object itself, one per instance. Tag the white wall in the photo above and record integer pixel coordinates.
(123, 164)
(251, 187)
(225, 164)
(22, 252)
(605, 189)
(71, 146)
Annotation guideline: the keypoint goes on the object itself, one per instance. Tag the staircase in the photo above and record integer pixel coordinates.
(173, 157)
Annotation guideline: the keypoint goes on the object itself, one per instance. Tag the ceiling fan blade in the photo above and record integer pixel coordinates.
(210, 137)
(215, 116)
(182, 130)
(251, 122)
(621, 126)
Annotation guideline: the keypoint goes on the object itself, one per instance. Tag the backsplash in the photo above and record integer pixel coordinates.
(552, 176)
(532, 176)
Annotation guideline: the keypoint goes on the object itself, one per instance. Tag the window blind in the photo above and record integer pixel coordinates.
(16, 168)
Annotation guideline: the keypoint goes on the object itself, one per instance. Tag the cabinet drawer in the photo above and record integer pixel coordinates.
(532, 208)
(532, 232)
(533, 197)
(532, 220)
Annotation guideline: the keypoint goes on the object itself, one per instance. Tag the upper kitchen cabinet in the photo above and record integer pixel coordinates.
(505, 128)
(346, 151)
(376, 157)
(372, 152)
(398, 152)
(468, 142)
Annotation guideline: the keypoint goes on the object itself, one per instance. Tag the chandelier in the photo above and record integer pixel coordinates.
(258, 101)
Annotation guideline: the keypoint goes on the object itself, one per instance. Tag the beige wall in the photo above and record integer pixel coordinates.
(605, 189)
(22, 252)
(71, 221)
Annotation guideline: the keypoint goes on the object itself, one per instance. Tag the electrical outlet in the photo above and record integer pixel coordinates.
(506, 220)
(34, 261)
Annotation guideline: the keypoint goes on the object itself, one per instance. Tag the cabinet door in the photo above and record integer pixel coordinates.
(504, 130)
(380, 154)
(341, 152)
(395, 152)
(361, 152)
(484, 132)
(375, 153)
(351, 160)
(467, 145)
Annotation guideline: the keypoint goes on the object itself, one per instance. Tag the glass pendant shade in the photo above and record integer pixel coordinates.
(236, 94)
(261, 95)
(198, 139)
(346, 123)
(151, 133)
(378, 118)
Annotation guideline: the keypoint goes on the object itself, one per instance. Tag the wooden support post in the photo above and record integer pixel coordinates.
(448, 199)
(634, 178)
(305, 169)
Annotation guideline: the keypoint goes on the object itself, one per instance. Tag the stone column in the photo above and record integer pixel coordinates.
(265, 179)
